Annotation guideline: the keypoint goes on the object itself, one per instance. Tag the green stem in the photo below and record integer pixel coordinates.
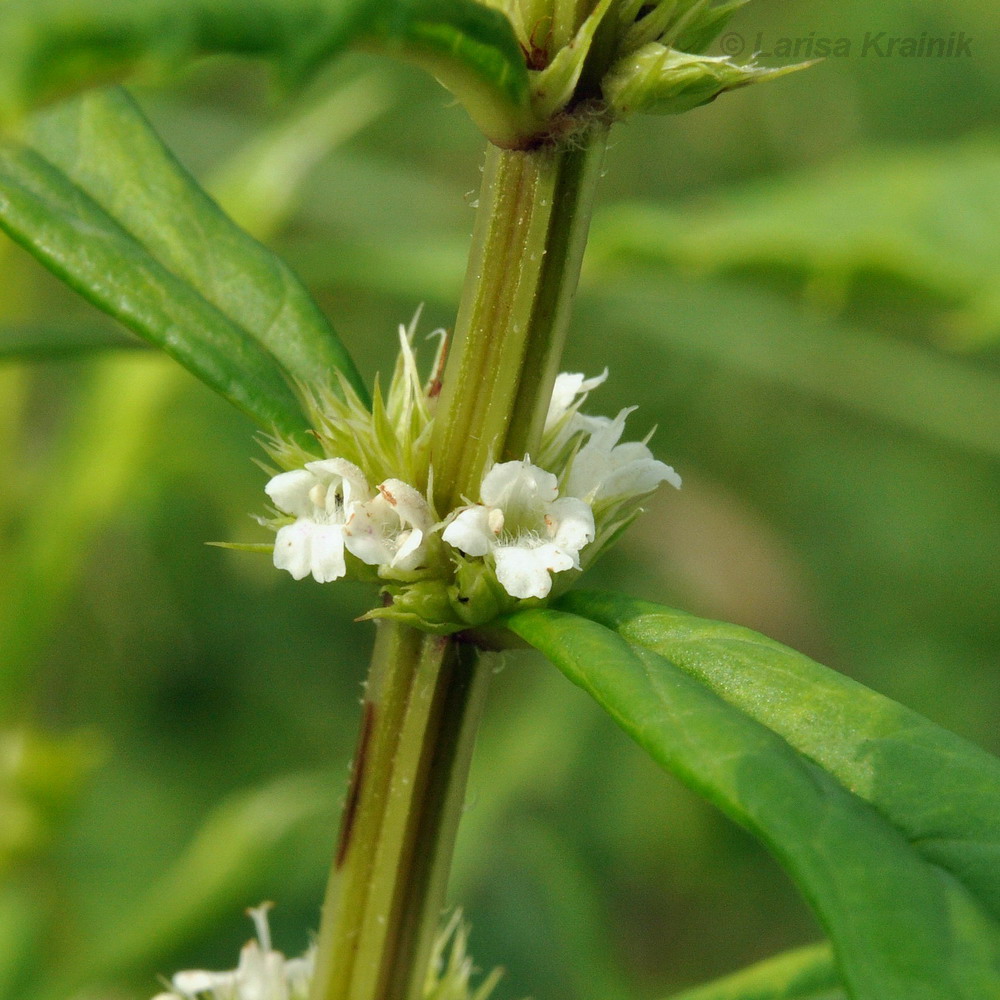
(425, 693)
(527, 247)
(424, 699)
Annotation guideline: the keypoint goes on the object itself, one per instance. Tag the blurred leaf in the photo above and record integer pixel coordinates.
(925, 216)
(97, 458)
(408, 267)
(36, 342)
(260, 185)
(699, 34)
(50, 47)
(572, 900)
(758, 334)
(941, 792)
(804, 974)
(902, 927)
(221, 869)
(41, 774)
(22, 943)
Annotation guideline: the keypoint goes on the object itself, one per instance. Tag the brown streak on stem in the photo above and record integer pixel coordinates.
(354, 789)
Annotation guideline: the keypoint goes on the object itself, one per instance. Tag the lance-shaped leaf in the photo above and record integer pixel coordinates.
(106, 147)
(942, 792)
(52, 47)
(94, 194)
(902, 927)
(50, 216)
(664, 81)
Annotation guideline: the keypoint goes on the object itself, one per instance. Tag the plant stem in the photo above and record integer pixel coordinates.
(425, 693)
(527, 247)
(424, 700)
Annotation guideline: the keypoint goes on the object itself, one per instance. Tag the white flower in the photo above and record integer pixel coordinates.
(527, 528)
(604, 470)
(322, 497)
(335, 510)
(568, 386)
(391, 529)
(262, 974)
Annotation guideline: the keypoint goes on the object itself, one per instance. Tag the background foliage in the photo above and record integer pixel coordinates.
(798, 285)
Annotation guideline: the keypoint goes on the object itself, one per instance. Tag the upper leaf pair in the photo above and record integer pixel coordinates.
(514, 64)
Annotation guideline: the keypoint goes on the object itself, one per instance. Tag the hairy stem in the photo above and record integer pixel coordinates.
(527, 247)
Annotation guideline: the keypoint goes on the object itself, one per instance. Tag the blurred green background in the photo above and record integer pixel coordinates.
(799, 284)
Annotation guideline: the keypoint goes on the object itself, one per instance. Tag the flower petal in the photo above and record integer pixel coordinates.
(571, 524)
(369, 530)
(327, 557)
(516, 485)
(409, 503)
(568, 386)
(355, 485)
(293, 548)
(469, 531)
(196, 981)
(410, 553)
(523, 571)
(637, 478)
(289, 491)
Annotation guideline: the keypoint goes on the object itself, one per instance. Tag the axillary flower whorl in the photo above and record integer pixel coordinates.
(533, 523)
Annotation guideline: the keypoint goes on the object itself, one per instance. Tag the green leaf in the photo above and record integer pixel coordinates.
(804, 974)
(104, 144)
(36, 342)
(941, 792)
(51, 47)
(902, 927)
(97, 198)
(470, 48)
(49, 215)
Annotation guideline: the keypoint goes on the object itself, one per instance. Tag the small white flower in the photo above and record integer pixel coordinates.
(523, 523)
(569, 390)
(391, 529)
(604, 470)
(321, 497)
(262, 974)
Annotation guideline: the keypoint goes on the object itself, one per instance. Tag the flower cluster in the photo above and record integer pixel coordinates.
(335, 509)
(265, 974)
(446, 571)
(262, 973)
